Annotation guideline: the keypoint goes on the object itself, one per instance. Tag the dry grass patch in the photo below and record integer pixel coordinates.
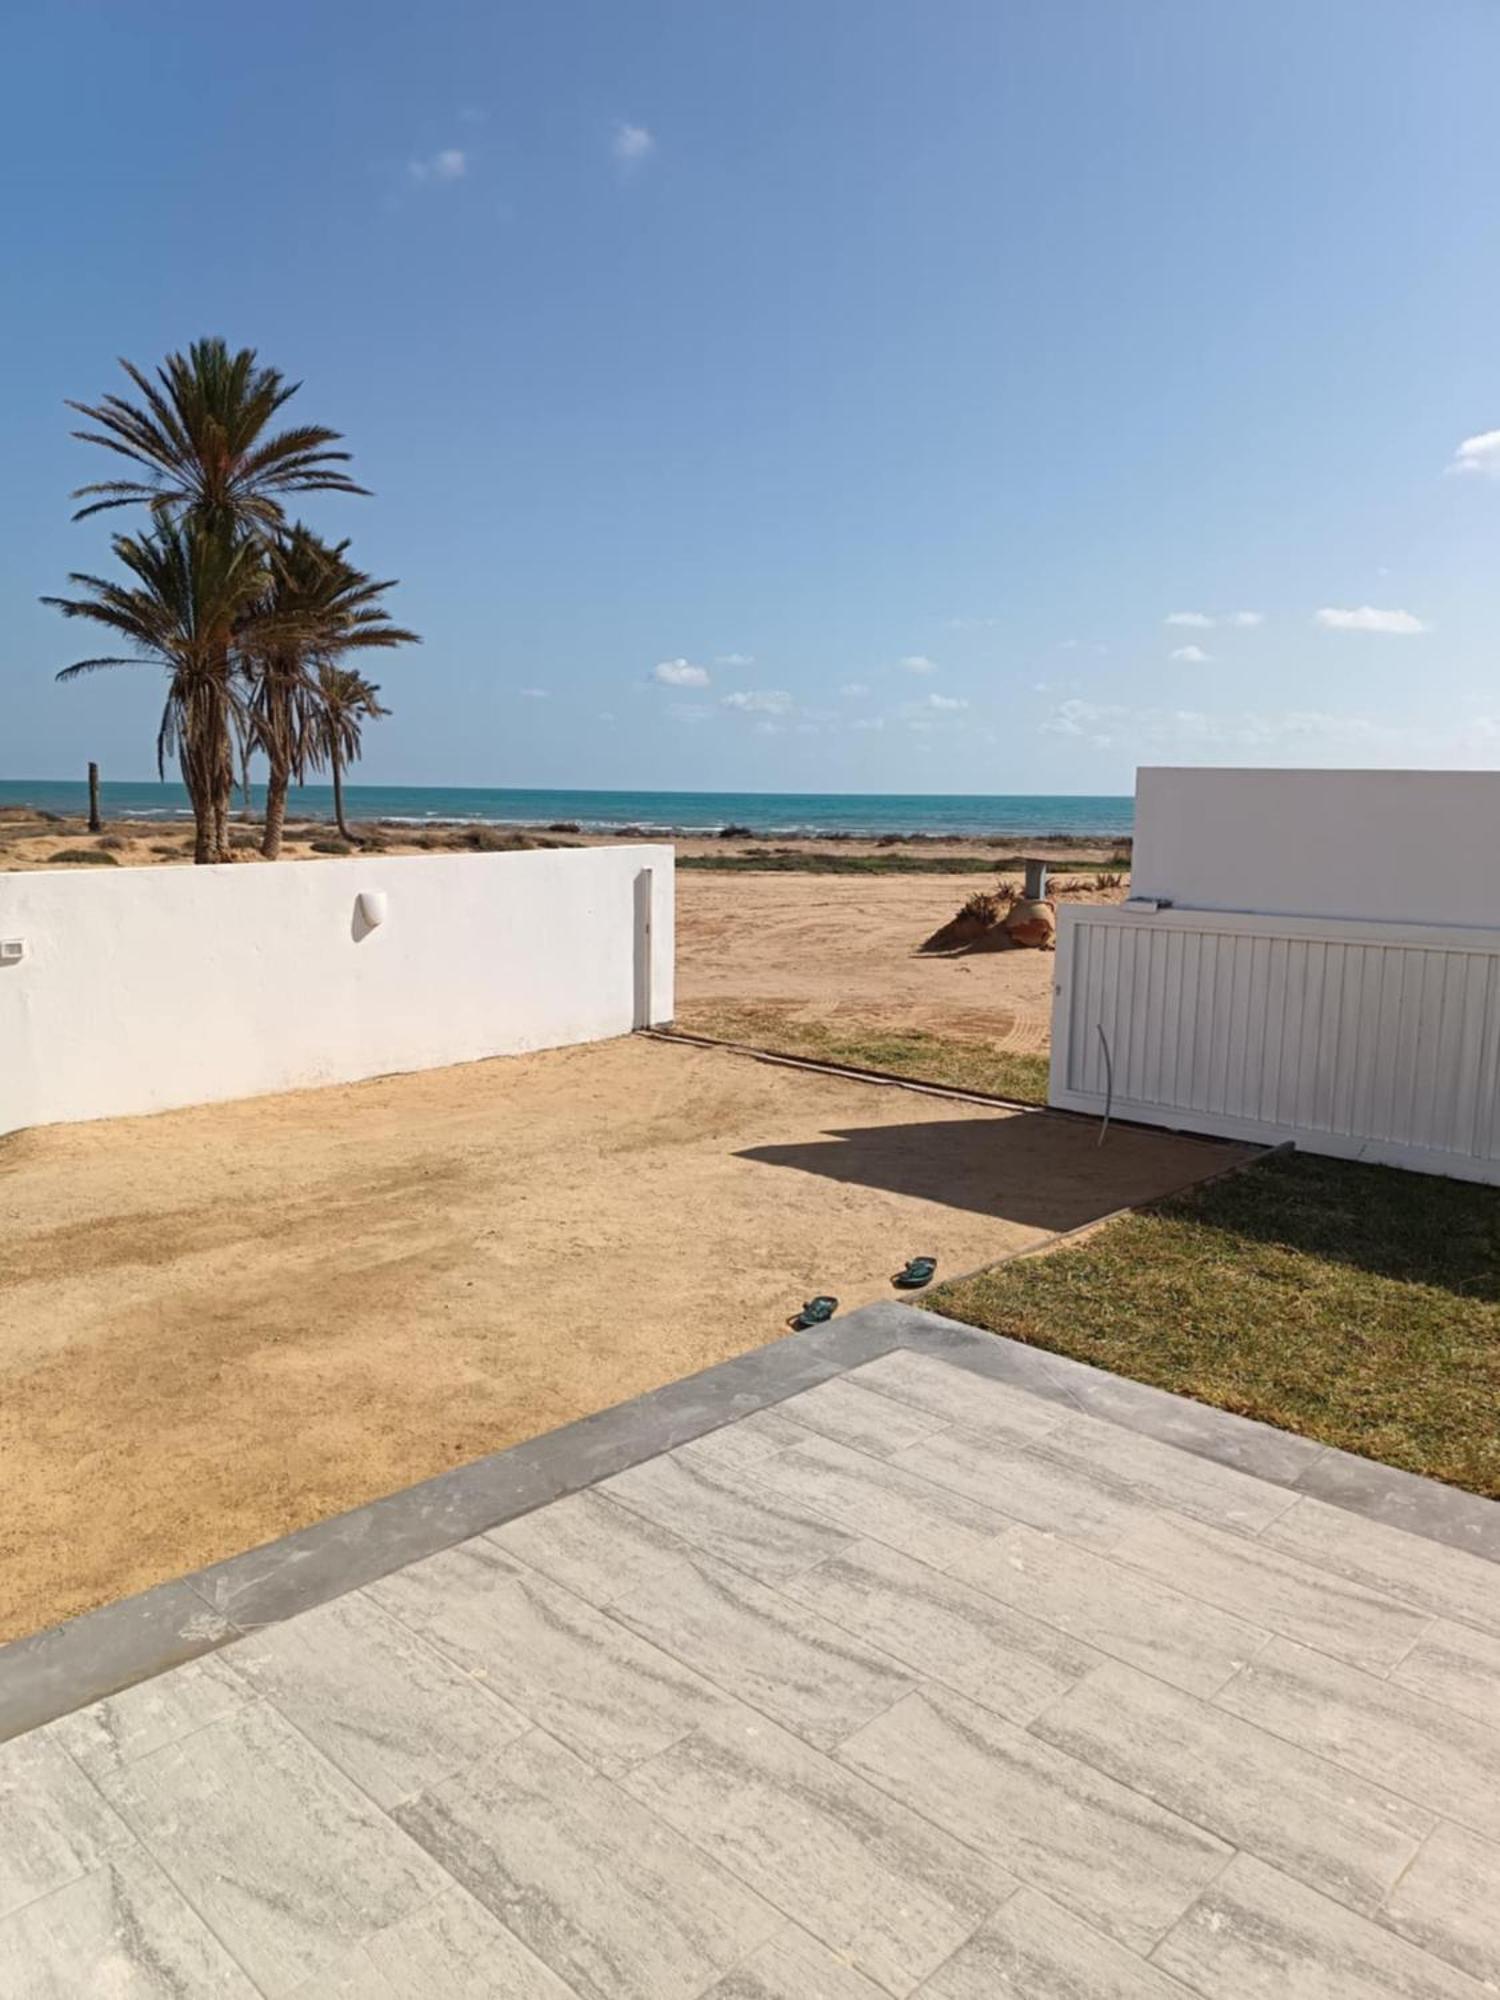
(958, 1062)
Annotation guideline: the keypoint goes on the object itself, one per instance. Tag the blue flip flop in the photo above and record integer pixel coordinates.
(917, 1272)
(814, 1313)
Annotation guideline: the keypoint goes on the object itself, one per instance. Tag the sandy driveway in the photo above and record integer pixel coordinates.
(220, 1324)
(844, 947)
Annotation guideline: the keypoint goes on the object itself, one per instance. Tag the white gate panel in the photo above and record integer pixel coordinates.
(1366, 1040)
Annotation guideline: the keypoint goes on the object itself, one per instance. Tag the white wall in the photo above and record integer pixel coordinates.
(145, 988)
(1392, 846)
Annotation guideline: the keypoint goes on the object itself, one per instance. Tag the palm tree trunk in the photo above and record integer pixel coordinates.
(338, 795)
(204, 850)
(223, 802)
(276, 786)
(213, 751)
(223, 793)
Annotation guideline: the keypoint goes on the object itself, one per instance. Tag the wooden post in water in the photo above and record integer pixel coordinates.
(96, 825)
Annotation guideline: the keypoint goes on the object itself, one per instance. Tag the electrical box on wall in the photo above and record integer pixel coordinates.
(12, 950)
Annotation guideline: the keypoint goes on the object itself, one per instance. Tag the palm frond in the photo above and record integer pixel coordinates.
(200, 430)
(107, 660)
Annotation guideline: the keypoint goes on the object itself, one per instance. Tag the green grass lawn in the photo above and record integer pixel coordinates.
(1354, 1304)
(925, 1058)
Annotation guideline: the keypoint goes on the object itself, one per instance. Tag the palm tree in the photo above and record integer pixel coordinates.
(205, 457)
(321, 607)
(193, 590)
(199, 437)
(346, 701)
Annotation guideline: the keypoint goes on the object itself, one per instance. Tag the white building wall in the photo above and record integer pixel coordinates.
(143, 989)
(1392, 846)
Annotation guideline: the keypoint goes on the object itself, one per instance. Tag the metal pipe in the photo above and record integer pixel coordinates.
(1109, 1080)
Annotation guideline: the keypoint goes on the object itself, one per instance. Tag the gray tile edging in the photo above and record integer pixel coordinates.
(52, 1673)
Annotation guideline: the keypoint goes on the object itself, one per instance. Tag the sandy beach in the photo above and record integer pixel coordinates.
(33, 839)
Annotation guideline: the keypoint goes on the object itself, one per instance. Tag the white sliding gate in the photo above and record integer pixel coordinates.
(1366, 1040)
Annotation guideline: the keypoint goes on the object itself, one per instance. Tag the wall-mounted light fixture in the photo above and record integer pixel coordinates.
(372, 906)
(12, 950)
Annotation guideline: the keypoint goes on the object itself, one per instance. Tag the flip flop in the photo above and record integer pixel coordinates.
(918, 1271)
(814, 1313)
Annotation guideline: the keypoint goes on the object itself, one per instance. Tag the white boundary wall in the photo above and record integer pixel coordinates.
(142, 989)
(1414, 847)
(1370, 1041)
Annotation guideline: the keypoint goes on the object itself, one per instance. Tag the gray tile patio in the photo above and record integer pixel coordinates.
(917, 1678)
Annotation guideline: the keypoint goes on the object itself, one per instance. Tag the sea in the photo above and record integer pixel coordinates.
(767, 814)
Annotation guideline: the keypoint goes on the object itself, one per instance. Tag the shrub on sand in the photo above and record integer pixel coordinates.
(980, 910)
(977, 921)
(488, 840)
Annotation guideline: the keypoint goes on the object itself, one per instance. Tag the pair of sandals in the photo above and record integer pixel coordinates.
(913, 1275)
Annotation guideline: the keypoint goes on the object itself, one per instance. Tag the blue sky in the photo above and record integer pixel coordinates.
(805, 394)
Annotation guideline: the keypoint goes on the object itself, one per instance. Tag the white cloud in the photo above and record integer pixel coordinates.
(1203, 621)
(1192, 656)
(918, 663)
(972, 624)
(760, 701)
(536, 694)
(680, 674)
(735, 660)
(1292, 736)
(852, 690)
(449, 165)
(688, 711)
(1083, 718)
(870, 722)
(1478, 454)
(631, 144)
(1368, 619)
(925, 710)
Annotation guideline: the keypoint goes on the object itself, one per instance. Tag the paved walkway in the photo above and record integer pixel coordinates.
(916, 1682)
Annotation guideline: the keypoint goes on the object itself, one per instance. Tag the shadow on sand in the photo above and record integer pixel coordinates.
(1028, 1168)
